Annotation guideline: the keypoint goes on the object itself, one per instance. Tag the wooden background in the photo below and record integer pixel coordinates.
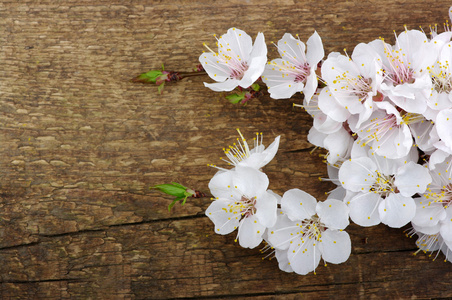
(80, 146)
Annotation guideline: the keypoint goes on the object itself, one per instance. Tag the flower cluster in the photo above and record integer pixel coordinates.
(299, 229)
(384, 116)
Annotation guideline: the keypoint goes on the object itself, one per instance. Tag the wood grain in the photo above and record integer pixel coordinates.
(80, 146)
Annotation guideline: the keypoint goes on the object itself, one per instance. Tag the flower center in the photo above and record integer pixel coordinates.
(245, 206)
(377, 128)
(412, 118)
(311, 228)
(399, 69)
(229, 58)
(240, 151)
(238, 70)
(441, 78)
(357, 86)
(383, 185)
(301, 72)
(444, 196)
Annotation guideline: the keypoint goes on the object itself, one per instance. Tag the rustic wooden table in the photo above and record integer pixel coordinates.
(80, 146)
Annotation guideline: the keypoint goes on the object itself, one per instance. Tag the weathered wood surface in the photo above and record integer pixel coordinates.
(80, 145)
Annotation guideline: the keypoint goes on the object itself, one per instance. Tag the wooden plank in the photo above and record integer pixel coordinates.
(184, 258)
(80, 146)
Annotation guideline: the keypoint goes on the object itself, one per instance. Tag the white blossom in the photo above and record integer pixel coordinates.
(380, 197)
(239, 154)
(309, 231)
(242, 201)
(237, 63)
(295, 70)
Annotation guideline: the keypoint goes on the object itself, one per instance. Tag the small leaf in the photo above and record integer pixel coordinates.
(255, 87)
(236, 98)
(148, 77)
(153, 74)
(179, 185)
(160, 88)
(163, 67)
(170, 190)
(172, 204)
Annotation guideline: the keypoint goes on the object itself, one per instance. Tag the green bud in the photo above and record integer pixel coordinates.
(179, 191)
(255, 87)
(236, 98)
(171, 189)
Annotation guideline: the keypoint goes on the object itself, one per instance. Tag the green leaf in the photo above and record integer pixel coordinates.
(163, 67)
(149, 77)
(255, 87)
(170, 189)
(153, 73)
(179, 185)
(160, 88)
(183, 202)
(172, 204)
(236, 98)
(175, 201)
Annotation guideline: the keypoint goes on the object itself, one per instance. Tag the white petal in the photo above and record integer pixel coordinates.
(283, 260)
(298, 205)
(225, 86)
(329, 105)
(279, 85)
(358, 174)
(221, 185)
(444, 125)
(316, 137)
(283, 232)
(412, 178)
(415, 43)
(292, 49)
(237, 41)
(311, 85)
(250, 182)
(333, 213)
(364, 209)
(421, 133)
(428, 214)
(250, 232)
(427, 229)
(216, 70)
(259, 47)
(412, 97)
(365, 57)
(437, 157)
(304, 258)
(266, 206)
(325, 124)
(258, 160)
(396, 210)
(224, 220)
(255, 70)
(278, 197)
(445, 249)
(446, 225)
(337, 193)
(396, 143)
(314, 52)
(338, 144)
(335, 246)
